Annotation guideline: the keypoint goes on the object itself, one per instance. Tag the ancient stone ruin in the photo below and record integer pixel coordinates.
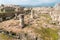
(55, 13)
(12, 11)
(21, 19)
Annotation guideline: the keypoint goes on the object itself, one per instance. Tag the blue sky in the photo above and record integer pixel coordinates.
(29, 2)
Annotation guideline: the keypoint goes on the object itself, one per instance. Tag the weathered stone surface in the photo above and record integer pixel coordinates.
(21, 19)
(1, 19)
(8, 18)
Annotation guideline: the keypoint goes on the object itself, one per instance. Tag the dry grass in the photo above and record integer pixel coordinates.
(42, 21)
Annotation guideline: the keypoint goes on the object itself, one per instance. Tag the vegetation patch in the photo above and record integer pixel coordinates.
(47, 33)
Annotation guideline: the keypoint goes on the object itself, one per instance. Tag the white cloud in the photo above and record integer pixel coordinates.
(24, 0)
(46, 1)
(27, 2)
(41, 1)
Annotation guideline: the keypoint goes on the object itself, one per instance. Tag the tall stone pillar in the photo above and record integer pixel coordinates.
(21, 19)
(15, 15)
(32, 13)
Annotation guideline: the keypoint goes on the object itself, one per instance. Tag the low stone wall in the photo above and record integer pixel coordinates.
(6, 16)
